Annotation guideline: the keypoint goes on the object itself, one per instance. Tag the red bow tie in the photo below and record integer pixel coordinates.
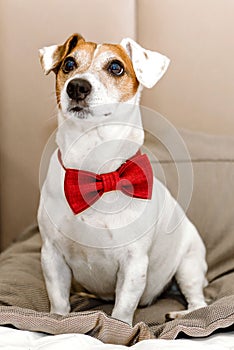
(83, 188)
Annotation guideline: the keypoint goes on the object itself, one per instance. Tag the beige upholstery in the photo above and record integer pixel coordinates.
(197, 91)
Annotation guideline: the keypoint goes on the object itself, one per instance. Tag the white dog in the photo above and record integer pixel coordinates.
(110, 231)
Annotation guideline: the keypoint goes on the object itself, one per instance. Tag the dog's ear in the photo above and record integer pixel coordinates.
(51, 56)
(149, 66)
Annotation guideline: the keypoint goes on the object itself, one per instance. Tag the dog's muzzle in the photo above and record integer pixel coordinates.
(78, 89)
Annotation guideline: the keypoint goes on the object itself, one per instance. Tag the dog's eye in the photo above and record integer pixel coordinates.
(69, 65)
(116, 68)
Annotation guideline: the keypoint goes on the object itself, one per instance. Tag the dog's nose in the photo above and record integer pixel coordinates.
(78, 89)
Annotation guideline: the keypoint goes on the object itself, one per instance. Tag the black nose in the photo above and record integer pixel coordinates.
(78, 89)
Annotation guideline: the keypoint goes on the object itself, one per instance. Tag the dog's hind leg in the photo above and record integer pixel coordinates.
(57, 276)
(191, 278)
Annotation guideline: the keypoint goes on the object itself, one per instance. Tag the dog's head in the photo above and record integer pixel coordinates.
(89, 75)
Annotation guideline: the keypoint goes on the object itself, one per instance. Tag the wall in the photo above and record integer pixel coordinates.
(197, 35)
(28, 113)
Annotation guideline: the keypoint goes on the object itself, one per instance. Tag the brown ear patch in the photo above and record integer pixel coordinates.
(65, 49)
(52, 56)
(74, 41)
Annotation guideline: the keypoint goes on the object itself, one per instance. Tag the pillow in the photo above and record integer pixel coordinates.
(23, 298)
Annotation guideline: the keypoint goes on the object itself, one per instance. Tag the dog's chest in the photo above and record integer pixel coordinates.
(94, 269)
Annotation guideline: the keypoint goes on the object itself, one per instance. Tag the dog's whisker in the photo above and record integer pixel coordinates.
(52, 117)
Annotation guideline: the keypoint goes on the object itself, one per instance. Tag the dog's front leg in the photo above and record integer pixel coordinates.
(131, 281)
(57, 276)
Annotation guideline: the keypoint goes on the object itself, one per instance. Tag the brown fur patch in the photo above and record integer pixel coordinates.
(126, 84)
(83, 55)
(146, 56)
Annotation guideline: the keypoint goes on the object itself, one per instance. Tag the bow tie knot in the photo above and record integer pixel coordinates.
(111, 181)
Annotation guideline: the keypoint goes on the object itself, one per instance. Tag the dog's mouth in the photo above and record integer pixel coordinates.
(79, 112)
(76, 109)
(86, 112)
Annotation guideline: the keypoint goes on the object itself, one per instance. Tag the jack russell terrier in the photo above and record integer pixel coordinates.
(103, 216)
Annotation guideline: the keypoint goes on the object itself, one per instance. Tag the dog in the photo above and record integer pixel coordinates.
(98, 227)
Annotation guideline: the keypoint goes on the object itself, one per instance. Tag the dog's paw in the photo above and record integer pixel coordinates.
(179, 314)
(176, 314)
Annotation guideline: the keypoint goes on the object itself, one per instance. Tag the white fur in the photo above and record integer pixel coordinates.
(47, 57)
(119, 248)
(149, 66)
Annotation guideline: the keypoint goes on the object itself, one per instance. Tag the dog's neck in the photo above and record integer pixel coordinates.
(100, 144)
